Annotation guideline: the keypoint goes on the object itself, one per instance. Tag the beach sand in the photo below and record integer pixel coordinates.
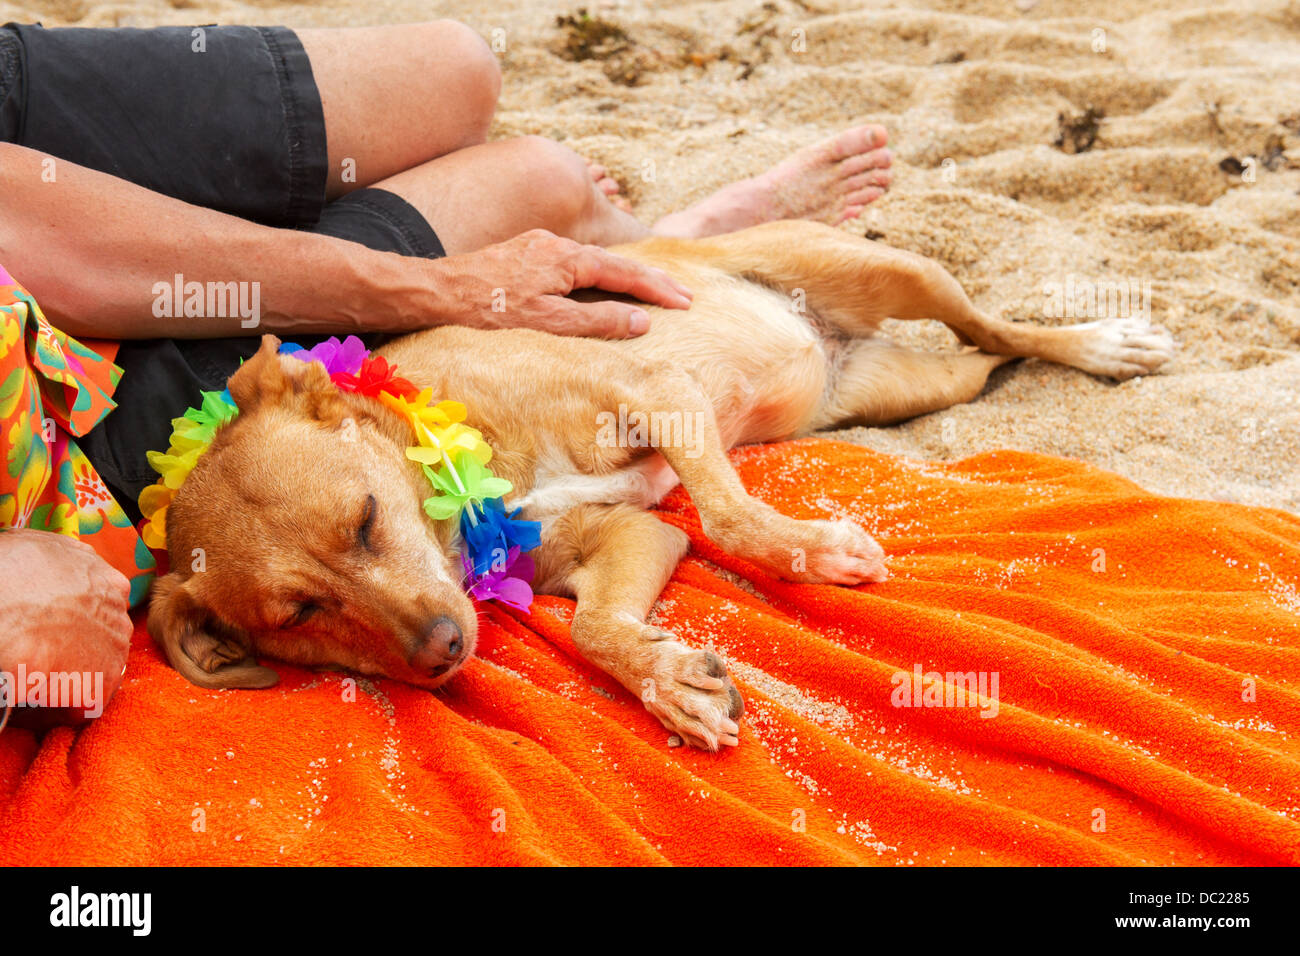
(1187, 188)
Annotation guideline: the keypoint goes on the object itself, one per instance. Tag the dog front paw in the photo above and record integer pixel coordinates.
(691, 694)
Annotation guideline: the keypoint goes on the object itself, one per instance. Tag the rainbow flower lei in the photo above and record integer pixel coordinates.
(453, 456)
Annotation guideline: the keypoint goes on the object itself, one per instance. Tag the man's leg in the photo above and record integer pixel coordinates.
(488, 193)
(407, 108)
(485, 194)
(396, 97)
(831, 181)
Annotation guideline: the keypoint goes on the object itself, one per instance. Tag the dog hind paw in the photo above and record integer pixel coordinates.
(1124, 348)
(841, 553)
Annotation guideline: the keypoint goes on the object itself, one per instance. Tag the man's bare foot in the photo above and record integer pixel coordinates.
(608, 185)
(831, 181)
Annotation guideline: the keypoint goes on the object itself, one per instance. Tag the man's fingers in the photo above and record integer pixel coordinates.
(605, 320)
(599, 269)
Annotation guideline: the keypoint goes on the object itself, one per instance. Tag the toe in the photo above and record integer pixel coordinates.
(1147, 359)
(705, 671)
(1125, 348)
(737, 703)
(875, 159)
(1151, 343)
(603, 180)
(1127, 370)
(863, 196)
(872, 177)
(703, 728)
(713, 665)
(695, 733)
(850, 212)
(860, 139)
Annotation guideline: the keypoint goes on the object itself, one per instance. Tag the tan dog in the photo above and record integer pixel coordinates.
(309, 515)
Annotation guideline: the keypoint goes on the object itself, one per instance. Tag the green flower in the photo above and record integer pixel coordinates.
(461, 480)
(198, 425)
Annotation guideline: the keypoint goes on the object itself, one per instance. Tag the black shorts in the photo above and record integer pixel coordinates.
(226, 117)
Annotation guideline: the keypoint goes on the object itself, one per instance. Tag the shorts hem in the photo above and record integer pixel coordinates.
(15, 106)
(304, 117)
(416, 237)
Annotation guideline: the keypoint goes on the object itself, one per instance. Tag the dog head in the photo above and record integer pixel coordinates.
(300, 535)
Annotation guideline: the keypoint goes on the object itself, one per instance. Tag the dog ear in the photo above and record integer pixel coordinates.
(268, 378)
(260, 379)
(203, 648)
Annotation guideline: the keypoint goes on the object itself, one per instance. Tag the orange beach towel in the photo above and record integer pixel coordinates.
(1145, 649)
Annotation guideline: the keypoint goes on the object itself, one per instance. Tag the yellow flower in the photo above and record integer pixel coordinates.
(175, 465)
(154, 534)
(154, 501)
(188, 435)
(435, 443)
(438, 428)
(154, 497)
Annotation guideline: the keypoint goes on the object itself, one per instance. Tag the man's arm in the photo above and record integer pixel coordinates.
(91, 248)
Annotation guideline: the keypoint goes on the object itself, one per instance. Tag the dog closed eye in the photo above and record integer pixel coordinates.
(367, 523)
(305, 611)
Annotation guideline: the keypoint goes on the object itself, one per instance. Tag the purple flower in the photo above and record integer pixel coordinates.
(336, 356)
(508, 584)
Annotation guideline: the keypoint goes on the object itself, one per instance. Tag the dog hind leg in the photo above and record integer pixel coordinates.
(854, 284)
(881, 383)
(817, 551)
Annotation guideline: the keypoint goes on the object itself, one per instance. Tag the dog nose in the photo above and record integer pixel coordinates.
(442, 647)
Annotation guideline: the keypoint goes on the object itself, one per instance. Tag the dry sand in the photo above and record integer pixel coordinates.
(973, 92)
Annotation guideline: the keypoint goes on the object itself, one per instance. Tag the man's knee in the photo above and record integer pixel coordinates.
(475, 66)
(559, 177)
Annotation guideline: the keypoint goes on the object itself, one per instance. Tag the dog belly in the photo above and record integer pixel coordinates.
(754, 353)
(559, 486)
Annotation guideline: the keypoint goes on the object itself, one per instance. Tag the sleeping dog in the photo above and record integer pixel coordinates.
(309, 515)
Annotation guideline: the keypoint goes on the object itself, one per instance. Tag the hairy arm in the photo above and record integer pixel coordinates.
(92, 248)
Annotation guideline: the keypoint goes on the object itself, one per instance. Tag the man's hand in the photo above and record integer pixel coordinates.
(93, 248)
(63, 608)
(524, 282)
